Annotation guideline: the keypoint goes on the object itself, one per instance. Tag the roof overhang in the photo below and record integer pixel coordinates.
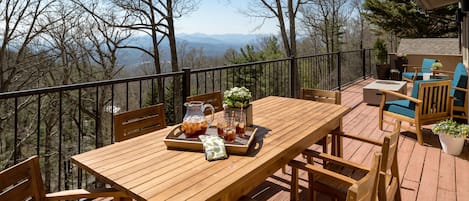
(432, 4)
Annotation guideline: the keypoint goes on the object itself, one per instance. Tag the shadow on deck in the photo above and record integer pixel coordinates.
(426, 172)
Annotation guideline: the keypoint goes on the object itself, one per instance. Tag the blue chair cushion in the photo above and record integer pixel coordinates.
(402, 107)
(426, 68)
(458, 102)
(427, 65)
(459, 80)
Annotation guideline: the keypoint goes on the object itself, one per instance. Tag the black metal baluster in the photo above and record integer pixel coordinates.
(38, 137)
(127, 96)
(15, 151)
(140, 93)
(112, 113)
(80, 134)
(152, 91)
(60, 141)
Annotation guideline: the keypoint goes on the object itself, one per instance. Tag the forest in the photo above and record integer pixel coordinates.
(53, 43)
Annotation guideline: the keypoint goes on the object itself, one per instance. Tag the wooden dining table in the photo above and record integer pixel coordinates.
(145, 169)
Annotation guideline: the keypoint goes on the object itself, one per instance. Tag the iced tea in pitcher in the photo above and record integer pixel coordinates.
(194, 122)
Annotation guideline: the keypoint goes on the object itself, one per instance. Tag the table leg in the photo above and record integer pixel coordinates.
(337, 142)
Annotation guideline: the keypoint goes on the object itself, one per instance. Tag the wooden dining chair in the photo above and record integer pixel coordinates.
(215, 99)
(388, 186)
(362, 189)
(134, 123)
(23, 181)
(324, 96)
(429, 102)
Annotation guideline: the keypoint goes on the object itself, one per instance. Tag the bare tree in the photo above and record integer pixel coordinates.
(326, 18)
(275, 9)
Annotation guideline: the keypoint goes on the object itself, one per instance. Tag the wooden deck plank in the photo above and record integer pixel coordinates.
(462, 175)
(429, 182)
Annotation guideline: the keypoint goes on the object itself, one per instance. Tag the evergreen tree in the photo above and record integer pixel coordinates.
(405, 19)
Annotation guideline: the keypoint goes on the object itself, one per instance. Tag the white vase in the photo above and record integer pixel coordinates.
(451, 145)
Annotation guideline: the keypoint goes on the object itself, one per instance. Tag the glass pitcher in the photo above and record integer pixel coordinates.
(194, 122)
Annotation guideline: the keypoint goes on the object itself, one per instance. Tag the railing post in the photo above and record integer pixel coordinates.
(294, 78)
(339, 69)
(186, 84)
(363, 63)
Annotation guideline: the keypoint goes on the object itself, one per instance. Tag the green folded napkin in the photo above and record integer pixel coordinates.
(214, 147)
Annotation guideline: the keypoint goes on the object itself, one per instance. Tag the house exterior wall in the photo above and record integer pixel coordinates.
(449, 61)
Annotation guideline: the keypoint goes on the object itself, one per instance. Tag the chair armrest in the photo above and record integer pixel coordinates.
(318, 170)
(443, 71)
(460, 89)
(334, 159)
(82, 193)
(400, 95)
(356, 137)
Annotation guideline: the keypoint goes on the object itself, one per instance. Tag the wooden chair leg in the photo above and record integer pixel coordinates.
(294, 184)
(419, 133)
(380, 124)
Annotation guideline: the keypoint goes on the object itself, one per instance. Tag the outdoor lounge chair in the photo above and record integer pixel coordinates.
(430, 102)
(388, 186)
(417, 72)
(134, 123)
(215, 99)
(459, 88)
(23, 181)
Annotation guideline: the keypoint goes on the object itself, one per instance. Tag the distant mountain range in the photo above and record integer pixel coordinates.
(213, 45)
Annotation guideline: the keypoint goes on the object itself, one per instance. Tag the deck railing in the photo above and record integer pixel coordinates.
(59, 122)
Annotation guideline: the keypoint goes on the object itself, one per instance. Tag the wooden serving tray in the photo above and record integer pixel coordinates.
(177, 140)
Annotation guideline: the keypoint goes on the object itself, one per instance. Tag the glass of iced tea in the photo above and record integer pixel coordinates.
(221, 126)
(230, 134)
(241, 124)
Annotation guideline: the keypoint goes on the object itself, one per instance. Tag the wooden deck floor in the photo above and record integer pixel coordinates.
(426, 172)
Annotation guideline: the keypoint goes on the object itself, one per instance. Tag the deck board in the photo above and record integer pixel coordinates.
(426, 172)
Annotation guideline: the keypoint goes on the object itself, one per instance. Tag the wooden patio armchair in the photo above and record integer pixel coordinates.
(215, 99)
(430, 102)
(459, 89)
(23, 181)
(417, 71)
(388, 186)
(325, 96)
(363, 189)
(134, 123)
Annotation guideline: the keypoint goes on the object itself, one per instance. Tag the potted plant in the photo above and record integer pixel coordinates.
(238, 99)
(452, 135)
(437, 65)
(382, 68)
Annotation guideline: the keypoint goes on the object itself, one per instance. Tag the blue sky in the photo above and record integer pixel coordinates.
(222, 17)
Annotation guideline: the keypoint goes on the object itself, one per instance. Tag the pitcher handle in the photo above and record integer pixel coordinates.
(209, 106)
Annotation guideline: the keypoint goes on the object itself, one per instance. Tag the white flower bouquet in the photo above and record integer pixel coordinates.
(237, 97)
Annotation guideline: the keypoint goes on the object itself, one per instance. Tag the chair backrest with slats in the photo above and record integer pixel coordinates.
(22, 182)
(366, 188)
(389, 184)
(321, 95)
(138, 122)
(436, 99)
(215, 99)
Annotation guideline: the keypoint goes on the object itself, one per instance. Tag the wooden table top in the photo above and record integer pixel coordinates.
(146, 170)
